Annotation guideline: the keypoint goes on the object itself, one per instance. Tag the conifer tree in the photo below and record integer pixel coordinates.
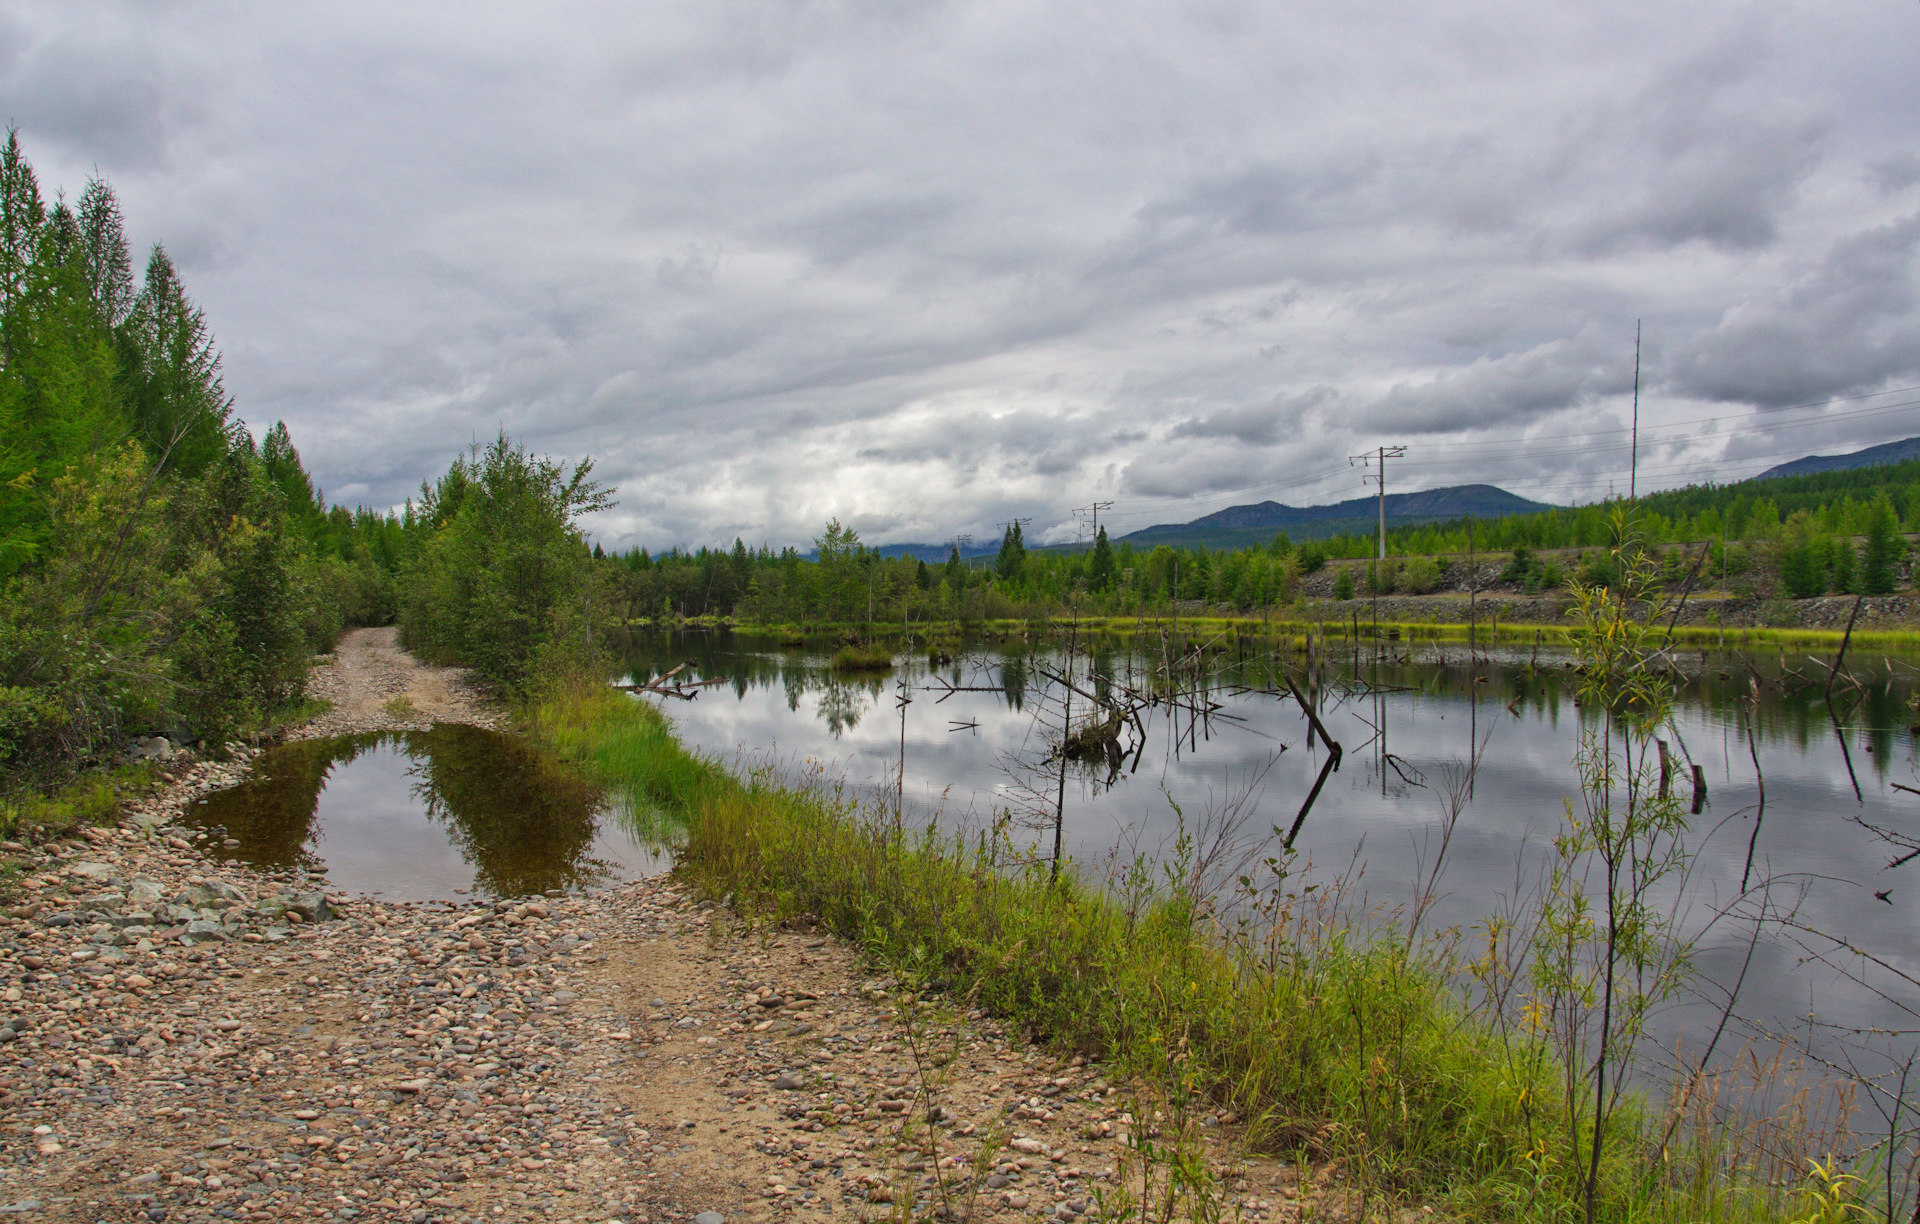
(21, 214)
(1013, 554)
(1883, 548)
(105, 262)
(1100, 565)
(284, 469)
(180, 407)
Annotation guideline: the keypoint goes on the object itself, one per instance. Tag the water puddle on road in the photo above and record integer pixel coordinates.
(427, 815)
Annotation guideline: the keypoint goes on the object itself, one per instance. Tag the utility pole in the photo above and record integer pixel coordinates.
(1093, 510)
(1633, 470)
(1378, 459)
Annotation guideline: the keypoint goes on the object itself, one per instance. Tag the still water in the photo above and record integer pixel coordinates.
(976, 735)
(426, 815)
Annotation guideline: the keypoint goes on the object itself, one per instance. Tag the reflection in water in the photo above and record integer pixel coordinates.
(425, 814)
(1408, 721)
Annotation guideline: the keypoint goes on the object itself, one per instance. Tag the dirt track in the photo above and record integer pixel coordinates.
(632, 1055)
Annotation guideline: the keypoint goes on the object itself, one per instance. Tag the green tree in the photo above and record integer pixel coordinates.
(505, 578)
(180, 407)
(105, 263)
(1012, 561)
(1803, 555)
(1100, 567)
(1883, 550)
(21, 214)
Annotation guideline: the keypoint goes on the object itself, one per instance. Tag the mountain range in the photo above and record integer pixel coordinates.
(1873, 456)
(1258, 522)
(1239, 526)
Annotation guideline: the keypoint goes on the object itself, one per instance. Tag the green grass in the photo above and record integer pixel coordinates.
(627, 747)
(861, 658)
(1254, 628)
(1330, 1039)
(91, 798)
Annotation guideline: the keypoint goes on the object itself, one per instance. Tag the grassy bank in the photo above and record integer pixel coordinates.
(1290, 632)
(1327, 1037)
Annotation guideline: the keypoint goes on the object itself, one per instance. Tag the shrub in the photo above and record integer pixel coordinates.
(1519, 565)
(1420, 575)
(506, 577)
(1343, 585)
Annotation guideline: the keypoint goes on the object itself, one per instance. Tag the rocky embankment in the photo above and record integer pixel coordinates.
(185, 1038)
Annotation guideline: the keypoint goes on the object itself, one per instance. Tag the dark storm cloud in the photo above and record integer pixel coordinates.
(924, 267)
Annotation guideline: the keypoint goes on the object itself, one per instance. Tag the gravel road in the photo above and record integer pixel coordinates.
(184, 1038)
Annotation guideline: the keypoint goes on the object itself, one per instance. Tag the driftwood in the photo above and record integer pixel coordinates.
(659, 686)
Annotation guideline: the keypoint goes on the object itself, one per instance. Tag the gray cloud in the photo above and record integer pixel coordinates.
(926, 267)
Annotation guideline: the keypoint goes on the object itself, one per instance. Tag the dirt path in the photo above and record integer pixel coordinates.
(373, 685)
(185, 1038)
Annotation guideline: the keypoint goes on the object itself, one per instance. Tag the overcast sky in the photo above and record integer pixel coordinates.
(929, 266)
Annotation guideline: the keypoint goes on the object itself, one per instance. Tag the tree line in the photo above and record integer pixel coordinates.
(161, 571)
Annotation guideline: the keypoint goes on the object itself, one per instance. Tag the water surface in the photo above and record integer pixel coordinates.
(974, 739)
(426, 815)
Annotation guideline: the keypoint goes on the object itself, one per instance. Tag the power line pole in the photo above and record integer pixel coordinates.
(1093, 510)
(1378, 459)
(1633, 469)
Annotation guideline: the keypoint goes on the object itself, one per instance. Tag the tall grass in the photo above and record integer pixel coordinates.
(1330, 1037)
(628, 748)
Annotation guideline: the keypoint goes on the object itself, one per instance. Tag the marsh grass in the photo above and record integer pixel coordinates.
(628, 748)
(1289, 631)
(858, 658)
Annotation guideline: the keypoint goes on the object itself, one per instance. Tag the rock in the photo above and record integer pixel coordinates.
(225, 891)
(143, 893)
(773, 1001)
(90, 871)
(709, 1217)
(787, 1083)
(153, 748)
(311, 906)
(202, 931)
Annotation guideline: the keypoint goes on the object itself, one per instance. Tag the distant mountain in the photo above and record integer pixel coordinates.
(1873, 456)
(1239, 526)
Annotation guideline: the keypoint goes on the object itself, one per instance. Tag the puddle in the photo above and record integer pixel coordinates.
(453, 812)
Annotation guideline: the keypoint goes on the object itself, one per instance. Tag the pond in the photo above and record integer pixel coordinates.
(1422, 726)
(453, 812)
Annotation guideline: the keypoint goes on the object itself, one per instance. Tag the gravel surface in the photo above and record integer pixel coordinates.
(185, 1038)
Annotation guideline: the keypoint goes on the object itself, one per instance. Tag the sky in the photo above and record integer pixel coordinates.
(928, 267)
